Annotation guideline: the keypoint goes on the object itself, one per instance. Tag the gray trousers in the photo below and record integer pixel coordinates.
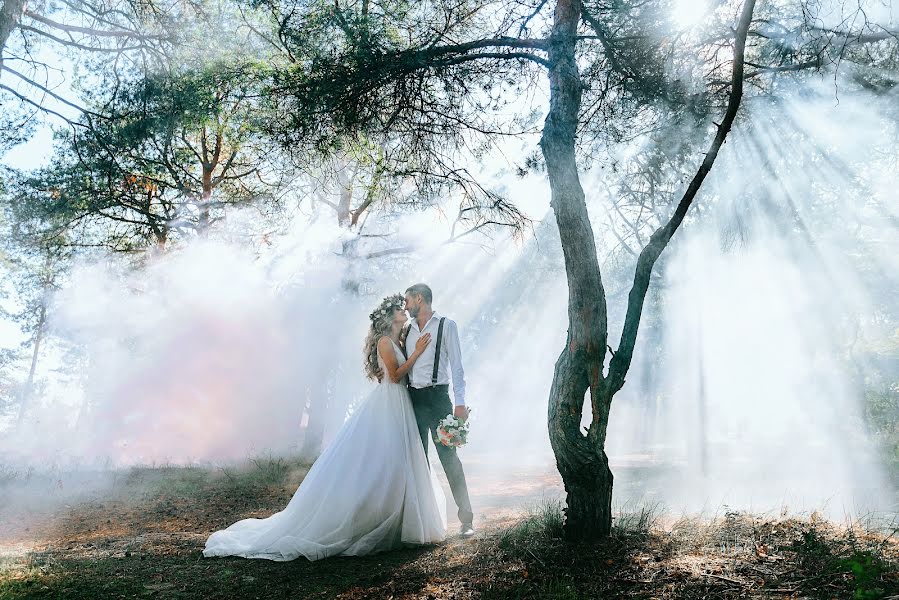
(431, 405)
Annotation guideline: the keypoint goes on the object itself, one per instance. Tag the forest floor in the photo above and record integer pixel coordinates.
(141, 536)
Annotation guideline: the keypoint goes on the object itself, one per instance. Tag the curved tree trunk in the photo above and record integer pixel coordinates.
(581, 461)
(581, 457)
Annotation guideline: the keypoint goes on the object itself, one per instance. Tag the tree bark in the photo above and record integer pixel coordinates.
(29, 383)
(10, 15)
(208, 164)
(580, 458)
(203, 219)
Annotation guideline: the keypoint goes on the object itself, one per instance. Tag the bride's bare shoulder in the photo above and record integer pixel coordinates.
(384, 344)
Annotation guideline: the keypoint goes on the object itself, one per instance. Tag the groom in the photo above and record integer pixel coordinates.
(429, 387)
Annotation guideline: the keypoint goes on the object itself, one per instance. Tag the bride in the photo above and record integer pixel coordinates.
(372, 488)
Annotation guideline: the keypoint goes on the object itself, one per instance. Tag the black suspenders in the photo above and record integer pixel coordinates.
(437, 351)
(405, 336)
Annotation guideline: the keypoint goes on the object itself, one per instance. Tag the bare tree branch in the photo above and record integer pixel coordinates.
(122, 33)
(620, 362)
(39, 106)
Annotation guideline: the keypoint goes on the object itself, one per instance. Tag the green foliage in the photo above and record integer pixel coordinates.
(170, 152)
(31, 272)
(829, 559)
(361, 73)
(882, 415)
(880, 358)
(16, 126)
(866, 568)
(10, 385)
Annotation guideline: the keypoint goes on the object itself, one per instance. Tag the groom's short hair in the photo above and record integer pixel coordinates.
(421, 289)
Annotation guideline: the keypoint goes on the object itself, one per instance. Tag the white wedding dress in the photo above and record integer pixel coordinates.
(370, 490)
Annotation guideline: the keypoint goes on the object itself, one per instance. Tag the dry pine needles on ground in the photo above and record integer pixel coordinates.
(145, 539)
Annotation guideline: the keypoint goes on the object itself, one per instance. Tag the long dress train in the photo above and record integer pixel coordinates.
(370, 490)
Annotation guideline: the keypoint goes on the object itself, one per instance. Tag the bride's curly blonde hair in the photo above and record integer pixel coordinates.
(381, 322)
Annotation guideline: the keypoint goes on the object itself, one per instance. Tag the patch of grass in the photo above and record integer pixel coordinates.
(195, 482)
(636, 520)
(181, 482)
(541, 525)
(270, 470)
(259, 474)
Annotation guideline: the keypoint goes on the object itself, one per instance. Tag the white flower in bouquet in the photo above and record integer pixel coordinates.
(451, 431)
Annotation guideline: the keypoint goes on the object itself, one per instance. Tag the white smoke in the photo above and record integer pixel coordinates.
(211, 352)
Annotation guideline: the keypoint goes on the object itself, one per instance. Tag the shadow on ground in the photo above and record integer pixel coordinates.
(142, 538)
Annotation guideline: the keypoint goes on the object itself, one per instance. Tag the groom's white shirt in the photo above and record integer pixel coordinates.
(450, 357)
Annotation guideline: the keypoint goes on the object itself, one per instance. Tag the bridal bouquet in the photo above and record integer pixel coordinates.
(451, 431)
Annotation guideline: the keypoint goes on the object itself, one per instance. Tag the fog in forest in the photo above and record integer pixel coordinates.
(751, 365)
(745, 391)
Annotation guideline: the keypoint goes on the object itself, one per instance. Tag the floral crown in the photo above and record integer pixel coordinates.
(388, 306)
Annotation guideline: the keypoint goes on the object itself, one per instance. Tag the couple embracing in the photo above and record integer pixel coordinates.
(372, 488)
